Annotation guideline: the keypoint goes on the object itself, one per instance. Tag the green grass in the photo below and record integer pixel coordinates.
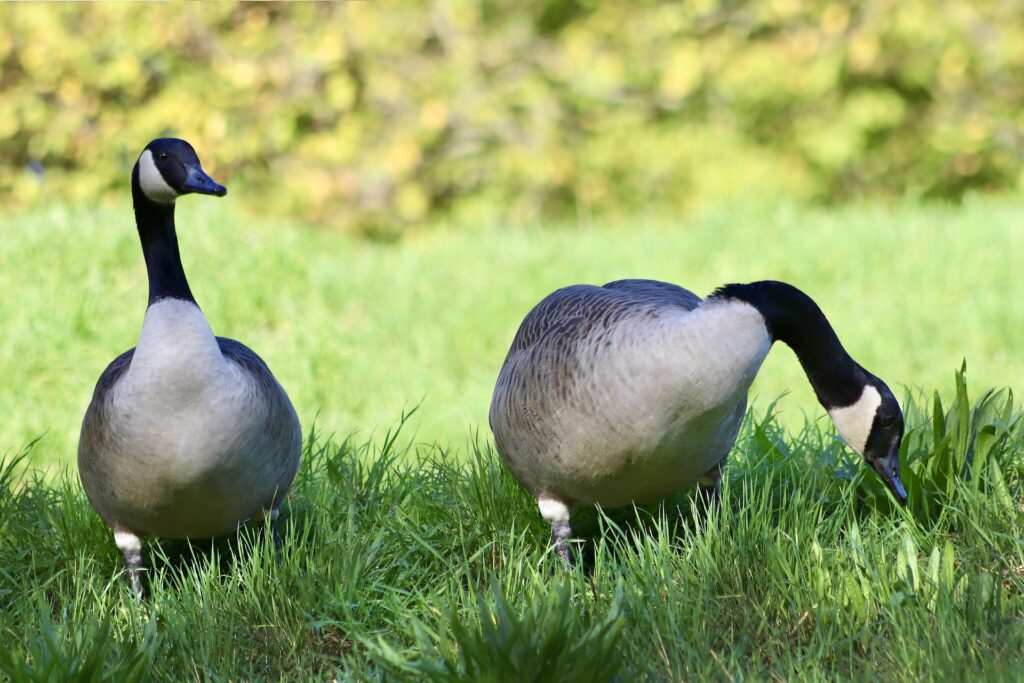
(416, 556)
(433, 566)
(358, 332)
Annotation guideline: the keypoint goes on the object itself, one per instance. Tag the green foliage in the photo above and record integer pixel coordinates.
(80, 652)
(955, 457)
(959, 458)
(421, 563)
(379, 116)
(540, 641)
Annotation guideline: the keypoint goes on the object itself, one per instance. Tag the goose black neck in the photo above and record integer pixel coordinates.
(159, 246)
(793, 318)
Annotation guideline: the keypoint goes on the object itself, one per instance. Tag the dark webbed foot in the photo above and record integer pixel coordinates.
(557, 515)
(130, 545)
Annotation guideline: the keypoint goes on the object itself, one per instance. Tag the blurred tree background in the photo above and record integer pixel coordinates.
(377, 117)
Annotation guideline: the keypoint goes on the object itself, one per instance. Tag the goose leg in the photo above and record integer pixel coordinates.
(711, 495)
(130, 545)
(270, 526)
(557, 515)
(709, 489)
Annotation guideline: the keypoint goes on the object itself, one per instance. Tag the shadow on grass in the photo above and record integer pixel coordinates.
(181, 560)
(675, 518)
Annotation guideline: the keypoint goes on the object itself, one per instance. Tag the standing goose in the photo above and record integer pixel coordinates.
(187, 434)
(628, 392)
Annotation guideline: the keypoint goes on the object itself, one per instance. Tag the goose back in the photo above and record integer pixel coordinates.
(610, 302)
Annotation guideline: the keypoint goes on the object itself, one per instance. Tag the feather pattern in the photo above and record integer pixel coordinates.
(187, 434)
(625, 392)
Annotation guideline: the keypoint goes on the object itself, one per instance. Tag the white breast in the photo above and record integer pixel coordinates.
(181, 404)
(177, 352)
(717, 350)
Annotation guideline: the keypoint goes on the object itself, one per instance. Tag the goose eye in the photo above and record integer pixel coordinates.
(163, 156)
(888, 420)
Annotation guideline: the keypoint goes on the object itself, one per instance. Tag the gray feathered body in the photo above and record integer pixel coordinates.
(188, 434)
(625, 392)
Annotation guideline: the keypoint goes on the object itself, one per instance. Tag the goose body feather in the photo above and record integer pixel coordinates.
(625, 392)
(187, 434)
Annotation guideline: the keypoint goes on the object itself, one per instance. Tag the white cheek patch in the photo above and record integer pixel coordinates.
(854, 421)
(152, 181)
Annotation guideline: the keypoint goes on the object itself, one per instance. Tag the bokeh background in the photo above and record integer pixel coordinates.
(408, 179)
(378, 117)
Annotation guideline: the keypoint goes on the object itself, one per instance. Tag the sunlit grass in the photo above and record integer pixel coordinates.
(357, 332)
(422, 563)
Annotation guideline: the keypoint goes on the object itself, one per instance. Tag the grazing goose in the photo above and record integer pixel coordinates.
(628, 392)
(187, 434)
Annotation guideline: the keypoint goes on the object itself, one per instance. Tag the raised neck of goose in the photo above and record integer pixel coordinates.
(793, 318)
(155, 222)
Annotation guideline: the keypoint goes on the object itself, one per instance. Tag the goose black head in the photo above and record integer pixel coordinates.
(169, 168)
(873, 426)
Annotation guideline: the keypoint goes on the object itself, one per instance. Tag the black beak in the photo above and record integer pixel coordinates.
(888, 469)
(197, 181)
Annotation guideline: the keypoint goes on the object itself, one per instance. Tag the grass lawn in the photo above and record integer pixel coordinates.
(418, 557)
(432, 566)
(358, 332)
